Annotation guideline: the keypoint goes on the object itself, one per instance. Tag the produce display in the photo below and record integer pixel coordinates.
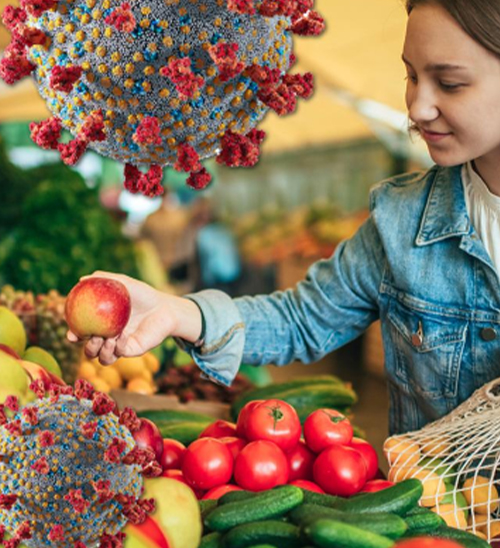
(45, 325)
(456, 459)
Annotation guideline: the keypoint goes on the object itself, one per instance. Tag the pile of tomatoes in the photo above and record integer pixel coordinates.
(269, 447)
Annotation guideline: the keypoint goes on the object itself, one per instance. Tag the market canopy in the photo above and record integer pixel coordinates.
(359, 53)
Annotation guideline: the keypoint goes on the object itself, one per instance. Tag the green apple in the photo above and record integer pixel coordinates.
(40, 356)
(12, 332)
(13, 378)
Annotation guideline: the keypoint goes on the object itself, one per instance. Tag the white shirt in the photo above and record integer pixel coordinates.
(484, 211)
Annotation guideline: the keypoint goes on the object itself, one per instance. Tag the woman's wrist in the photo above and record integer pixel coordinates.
(188, 322)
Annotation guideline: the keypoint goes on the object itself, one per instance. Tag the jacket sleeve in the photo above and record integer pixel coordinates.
(335, 303)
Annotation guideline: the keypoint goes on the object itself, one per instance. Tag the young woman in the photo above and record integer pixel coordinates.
(426, 262)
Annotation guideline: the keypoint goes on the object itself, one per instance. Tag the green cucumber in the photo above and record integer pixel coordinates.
(423, 520)
(206, 505)
(172, 415)
(330, 533)
(382, 523)
(321, 396)
(236, 496)
(331, 501)
(212, 540)
(265, 505)
(468, 540)
(275, 533)
(273, 391)
(397, 499)
(185, 432)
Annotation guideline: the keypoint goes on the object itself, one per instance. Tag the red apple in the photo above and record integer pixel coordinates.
(172, 455)
(98, 306)
(149, 437)
(37, 372)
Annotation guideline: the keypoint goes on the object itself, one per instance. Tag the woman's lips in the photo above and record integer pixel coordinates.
(433, 136)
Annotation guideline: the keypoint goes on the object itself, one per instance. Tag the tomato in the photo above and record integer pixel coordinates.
(369, 454)
(427, 542)
(325, 427)
(276, 421)
(235, 445)
(300, 462)
(261, 465)
(376, 485)
(179, 476)
(207, 463)
(173, 453)
(217, 492)
(340, 470)
(243, 416)
(305, 484)
(219, 429)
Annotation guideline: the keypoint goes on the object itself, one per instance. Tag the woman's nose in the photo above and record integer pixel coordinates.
(422, 105)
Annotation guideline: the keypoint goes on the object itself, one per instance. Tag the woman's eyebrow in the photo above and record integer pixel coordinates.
(437, 67)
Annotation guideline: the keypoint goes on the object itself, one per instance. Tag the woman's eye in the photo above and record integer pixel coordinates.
(448, 86)
(411, 78)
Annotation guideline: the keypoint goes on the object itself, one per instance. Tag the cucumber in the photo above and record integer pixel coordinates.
(275, 533)
(236, 496)
(185, 432)
(468, 540)
(331, 501)
(212, 540)
(172, 415)
(398, 499)
(206, 505)
(382, 523)
(329, 533)
(274, 390)
(423, 520)
(321, 396)
(265, 505)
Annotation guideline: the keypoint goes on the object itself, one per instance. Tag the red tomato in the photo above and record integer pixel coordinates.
(300, 462)
(369, 454)
(243, 416)
(376, 485)
(219, 429)
(235, 445)
(276, 421)
(261, 465)
(305, 484)
(427, 542)
(325, 427)
(207, 463)
(179, 476)
(217, 492)
(340, 470)
(173, 453)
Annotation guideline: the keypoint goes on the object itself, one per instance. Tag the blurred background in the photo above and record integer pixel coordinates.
(253, 230)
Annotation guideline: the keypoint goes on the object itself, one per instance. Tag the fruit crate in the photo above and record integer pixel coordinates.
(141, 402)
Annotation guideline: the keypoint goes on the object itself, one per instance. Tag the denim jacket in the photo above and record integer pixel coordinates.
(416, 264)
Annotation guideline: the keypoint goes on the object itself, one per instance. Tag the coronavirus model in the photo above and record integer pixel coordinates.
(70, 470)
(153, 83)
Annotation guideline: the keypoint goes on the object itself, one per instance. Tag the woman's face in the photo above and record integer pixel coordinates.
(453, 88)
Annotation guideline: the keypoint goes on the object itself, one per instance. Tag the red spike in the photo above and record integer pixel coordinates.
(187, 158)
(137, 456)
(7, 501)
(114, 451)
(45, 438)
(93, 127)
(75, 498)
(3, 415)
(2, 532)
(132, 176)
(56, 533)
(263, 76)
(300, 84)
(72, 151)
(309, 24)
(12, 17)
(129, 419)
(280, 98)
(46, 134)
(64, 78)
(240, 150)
(14, 428)
(150, 183)
(224, 56)
(38, 387)
(30, 415)
(23, 532)
(148, 132)
(103, 491)
(186, 81)
(304, 6)
(15, 65)
(122, 18)
(148, 505)
(199, 179)
(271, 8)
(12, 403)
(30, 36)
(241, 6)
(41, 466)
(102, 404)
(152, 469)
(79, 544)
(37, 7)
(88, 429)
(12, 543)
(134, 513)
(83, 390)
(112, 541)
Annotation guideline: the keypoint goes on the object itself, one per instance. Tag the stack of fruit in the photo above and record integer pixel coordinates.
(43, 319)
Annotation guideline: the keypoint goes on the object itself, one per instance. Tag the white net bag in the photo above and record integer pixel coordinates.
(457, 459)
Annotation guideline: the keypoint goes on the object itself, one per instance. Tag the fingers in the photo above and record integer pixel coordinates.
(72, 337)
(93, 347)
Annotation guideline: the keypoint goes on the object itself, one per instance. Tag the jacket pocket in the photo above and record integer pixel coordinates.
(427, 350)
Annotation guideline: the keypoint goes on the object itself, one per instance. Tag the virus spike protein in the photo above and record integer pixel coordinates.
(159, 83)
(70, 471)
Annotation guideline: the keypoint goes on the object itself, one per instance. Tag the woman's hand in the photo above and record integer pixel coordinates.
(154, 317)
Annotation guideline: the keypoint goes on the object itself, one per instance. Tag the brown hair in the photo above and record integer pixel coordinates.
(480, 19)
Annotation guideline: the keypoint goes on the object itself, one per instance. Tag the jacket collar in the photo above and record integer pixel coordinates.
(445, 214)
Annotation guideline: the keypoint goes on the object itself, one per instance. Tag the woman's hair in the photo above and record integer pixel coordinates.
(480, 19)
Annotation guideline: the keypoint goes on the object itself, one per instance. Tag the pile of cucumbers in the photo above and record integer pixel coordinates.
(290, 517)
(305, 394)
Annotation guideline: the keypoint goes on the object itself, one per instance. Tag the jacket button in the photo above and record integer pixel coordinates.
(488, 334)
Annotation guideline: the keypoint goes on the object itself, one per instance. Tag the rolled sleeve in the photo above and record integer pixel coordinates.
(219, 357)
